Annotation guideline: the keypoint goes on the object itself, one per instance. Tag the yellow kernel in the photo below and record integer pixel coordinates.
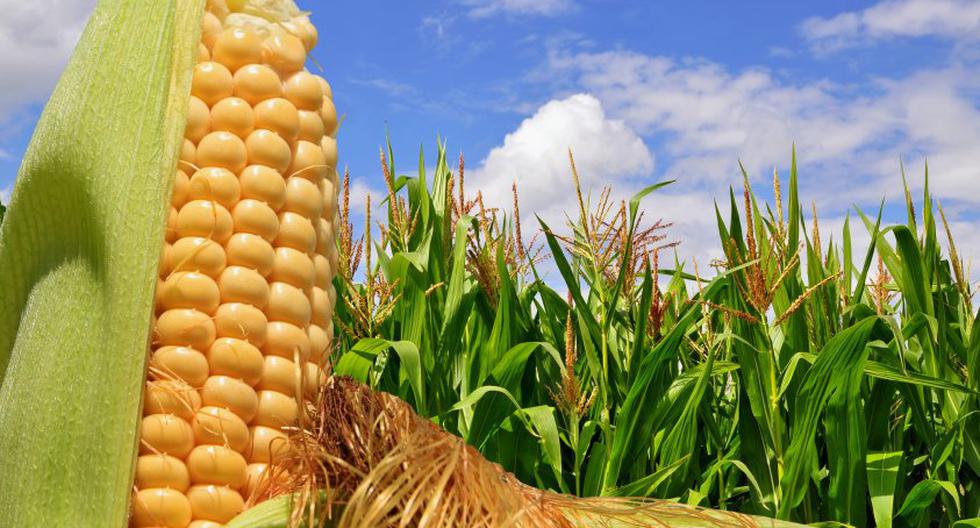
(179, 197)
(165, 434)
(219, 426)
(332, 292)
(184, 327)
(210, 29)
(197, 254)
(319, 343)
(322, 310)
(180, 363)
(204, 524)
(328, 115)
(275, 409)
(188, 154)
(328, 192)
(266, 445)
(303, 197)
(321, 271)
(232, 394)
(161, 471)
(171, 233)
(243, 285)
(313, 379)
(236, 359)
(189, 289)
(324, 237)
(253, 216)
(293, 267)
(211, 82)
(303, 90)
(279, 374)
(251, 251)
(278, 115)
(310, 126)
(308, 161)
(325, 88)
(204, 218)
(203, 55)
(265, 147)
(198, 120)
(288, 304)
(215, 503)
(234, 115)
(256, 83)
(235, 47)
(215, 183)
(296, 231)
(214, 464)
(218, 7)
(171, 397)
(332, 254)
(161, 508)
(286, 340)
(306, 31)
(284, 52)
(222, 149)
(256, 479)
(264, 184)
(165, 264)
(241, 321)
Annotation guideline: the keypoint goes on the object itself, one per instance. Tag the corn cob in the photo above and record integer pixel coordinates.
(244, 296)
(244, 301)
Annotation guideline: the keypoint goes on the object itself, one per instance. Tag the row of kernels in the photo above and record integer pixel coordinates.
(208, 504)
(298, 107)
(219, 427)
(225, 150)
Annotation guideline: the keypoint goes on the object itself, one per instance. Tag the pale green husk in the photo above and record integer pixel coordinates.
(79, 252)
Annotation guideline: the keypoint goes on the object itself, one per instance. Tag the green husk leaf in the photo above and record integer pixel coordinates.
(79, 252)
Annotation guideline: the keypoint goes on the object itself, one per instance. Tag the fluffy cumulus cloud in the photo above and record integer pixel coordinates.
(485, 8)
(535, 155)
(36, 39)
(951, 19)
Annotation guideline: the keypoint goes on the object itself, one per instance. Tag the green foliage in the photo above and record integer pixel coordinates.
(801, 381)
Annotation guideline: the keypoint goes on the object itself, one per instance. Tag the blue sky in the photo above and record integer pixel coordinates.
(641, 90)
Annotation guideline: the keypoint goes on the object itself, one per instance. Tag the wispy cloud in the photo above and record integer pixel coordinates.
(5, 194)
(949, 19)
(487, 8)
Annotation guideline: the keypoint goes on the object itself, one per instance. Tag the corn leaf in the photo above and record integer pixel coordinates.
(78, 258)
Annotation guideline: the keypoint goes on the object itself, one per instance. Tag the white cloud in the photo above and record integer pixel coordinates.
(706, 117)
(701, 118)
(5, 194)
(486, 8)
(607, 152)
(951, 19)
(36, 39)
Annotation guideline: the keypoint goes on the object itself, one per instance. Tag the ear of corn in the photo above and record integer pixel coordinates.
(239, 339)
(243, 301)
(78, 260)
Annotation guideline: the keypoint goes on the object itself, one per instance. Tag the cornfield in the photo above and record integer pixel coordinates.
(795, 379)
